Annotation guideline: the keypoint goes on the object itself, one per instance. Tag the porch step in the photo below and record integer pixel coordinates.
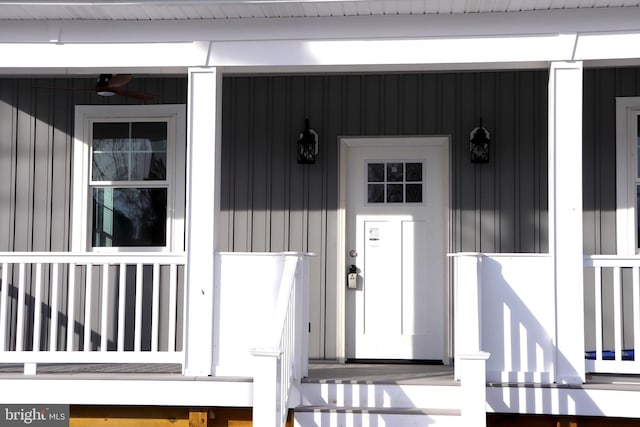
(367, 395)
(360, 404)
(310, 416)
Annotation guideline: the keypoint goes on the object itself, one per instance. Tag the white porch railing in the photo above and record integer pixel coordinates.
(612, 301)
(90, 308)
(281, 356)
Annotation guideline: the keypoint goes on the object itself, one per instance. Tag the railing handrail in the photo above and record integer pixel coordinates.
(612, 260)
(93, 257)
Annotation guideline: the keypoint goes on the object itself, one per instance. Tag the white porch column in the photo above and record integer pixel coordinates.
(565, 217)
(203, 189)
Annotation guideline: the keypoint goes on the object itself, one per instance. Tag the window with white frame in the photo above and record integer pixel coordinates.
(628, 175)
(129, 164)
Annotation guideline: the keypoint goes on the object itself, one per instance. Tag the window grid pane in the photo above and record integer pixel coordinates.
(129, 217)
(394, 182)
(122, 152)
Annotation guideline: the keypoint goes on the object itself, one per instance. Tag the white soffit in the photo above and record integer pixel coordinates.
(249, 9)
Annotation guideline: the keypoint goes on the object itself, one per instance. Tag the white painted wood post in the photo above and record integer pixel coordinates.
(265, 388)
(468, 314)
(203, 190)
(565, 217)
(473, 368)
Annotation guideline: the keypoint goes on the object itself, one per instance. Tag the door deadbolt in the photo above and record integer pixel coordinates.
(353, 253)
(352, 277)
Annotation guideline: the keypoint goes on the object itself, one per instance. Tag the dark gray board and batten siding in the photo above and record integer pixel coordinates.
(271, 203)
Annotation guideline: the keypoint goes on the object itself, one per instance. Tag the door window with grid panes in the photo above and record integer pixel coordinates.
(394, 182)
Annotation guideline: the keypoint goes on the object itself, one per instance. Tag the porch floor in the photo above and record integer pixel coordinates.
(385, 373)
(319, 372)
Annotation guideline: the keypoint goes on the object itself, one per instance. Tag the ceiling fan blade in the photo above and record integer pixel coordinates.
(119, 80)
(136, 95)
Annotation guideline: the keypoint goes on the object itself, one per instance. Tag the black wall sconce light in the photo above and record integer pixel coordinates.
(479, 144)
(307, 145)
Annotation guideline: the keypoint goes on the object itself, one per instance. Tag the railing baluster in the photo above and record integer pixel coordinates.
(173, 271)
(4, 296)
(53, 331)
(636, 310)
(138, 325)
(617, 313)
(20, 317)
(71, 297)
(104, 309)
(37, 308)
(155, 310)
(122, 285)
(598, 309)
(88, 295)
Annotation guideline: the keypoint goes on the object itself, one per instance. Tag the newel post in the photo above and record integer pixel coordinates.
(203, 195)
(468, 304)
(265, 388)
(474, 388)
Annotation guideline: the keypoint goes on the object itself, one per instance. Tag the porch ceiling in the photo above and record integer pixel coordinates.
(151, 10)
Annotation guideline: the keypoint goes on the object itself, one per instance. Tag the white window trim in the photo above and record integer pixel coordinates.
(627, 111)
(175, 115)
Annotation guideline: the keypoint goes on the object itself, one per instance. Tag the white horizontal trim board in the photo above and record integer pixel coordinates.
(38, 55)
(532, 38)
(128, 389)
(588, 400)
(532, 49)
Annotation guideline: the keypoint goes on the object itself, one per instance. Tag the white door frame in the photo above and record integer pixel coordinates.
(372, 141)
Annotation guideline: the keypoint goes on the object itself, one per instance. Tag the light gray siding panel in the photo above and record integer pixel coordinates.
(242, 172)
(590, 161)
(261, 170)
(61, 173)
(280, 156)
(43, 157)
(24, 169)
(7, 160)
(485, 103)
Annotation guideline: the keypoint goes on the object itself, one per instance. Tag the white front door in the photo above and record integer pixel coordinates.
(397, 197)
